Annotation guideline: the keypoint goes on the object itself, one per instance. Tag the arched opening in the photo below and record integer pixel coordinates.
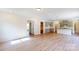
(30, 28)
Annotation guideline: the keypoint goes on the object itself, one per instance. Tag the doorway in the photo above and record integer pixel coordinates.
(29, 28)
(41, 27)
(56, 28)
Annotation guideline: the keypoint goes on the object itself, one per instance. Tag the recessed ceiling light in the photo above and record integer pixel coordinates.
(38, 9)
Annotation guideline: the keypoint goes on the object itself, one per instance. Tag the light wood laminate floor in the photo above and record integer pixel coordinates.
(45, 42)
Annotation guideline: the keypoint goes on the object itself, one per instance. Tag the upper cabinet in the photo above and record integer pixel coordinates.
(66, 24)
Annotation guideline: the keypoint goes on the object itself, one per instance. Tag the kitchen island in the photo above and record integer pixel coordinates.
(66, 31)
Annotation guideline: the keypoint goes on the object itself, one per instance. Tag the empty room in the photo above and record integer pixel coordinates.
(39, 29)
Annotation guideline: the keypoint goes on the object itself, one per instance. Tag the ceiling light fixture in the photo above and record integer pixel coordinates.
(38, 9)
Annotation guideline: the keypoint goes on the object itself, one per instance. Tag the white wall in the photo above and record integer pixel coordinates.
(12, 26)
